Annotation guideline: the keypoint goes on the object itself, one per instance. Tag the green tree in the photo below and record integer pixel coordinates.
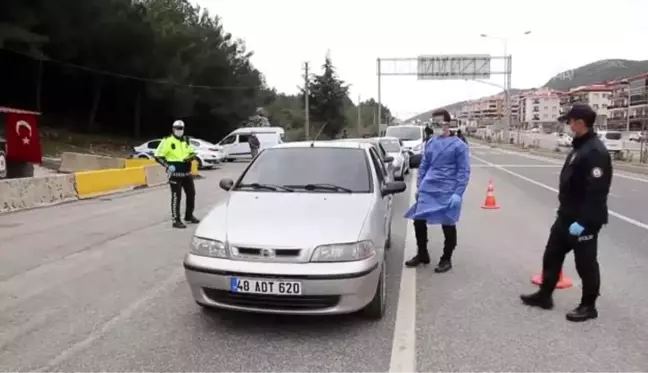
(328, 99)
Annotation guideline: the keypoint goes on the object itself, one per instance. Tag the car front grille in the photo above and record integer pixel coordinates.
(273, 302)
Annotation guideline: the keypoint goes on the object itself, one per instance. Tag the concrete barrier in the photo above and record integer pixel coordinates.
(30, 192)
(77, 162)
(136, 162)
(155, 175)
(94, 183)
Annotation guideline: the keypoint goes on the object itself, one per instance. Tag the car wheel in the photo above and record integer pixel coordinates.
(142, 156)
(230, 159)
(376, 308)
(3, 165)
(200, 164)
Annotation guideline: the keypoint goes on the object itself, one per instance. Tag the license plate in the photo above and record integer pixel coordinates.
(251, 286)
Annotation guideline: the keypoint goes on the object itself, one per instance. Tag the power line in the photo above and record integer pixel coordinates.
(124, 76)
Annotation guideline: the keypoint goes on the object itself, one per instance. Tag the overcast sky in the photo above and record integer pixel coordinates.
(564, 34)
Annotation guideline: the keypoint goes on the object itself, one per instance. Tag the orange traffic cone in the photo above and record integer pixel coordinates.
(564, 282)
(490, 202)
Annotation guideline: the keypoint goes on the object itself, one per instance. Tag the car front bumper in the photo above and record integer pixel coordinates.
(349, 290)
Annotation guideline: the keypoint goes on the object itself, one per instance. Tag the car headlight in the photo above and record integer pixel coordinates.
(417, 147)
(210, 248)
(343, 252)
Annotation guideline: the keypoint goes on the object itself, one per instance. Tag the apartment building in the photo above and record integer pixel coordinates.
(638, 103)
(489, 110)
(598, 97)
(617, 119)
(539, 108)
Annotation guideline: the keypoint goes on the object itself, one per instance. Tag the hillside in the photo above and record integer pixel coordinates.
(595, 72)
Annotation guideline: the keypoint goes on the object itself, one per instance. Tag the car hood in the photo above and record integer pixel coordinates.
(300, 220)
(397, 156)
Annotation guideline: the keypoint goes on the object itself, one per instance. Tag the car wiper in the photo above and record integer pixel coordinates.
(272, 187)
(320, 186)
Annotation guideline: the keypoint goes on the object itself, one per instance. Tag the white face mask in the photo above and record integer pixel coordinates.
(178, 133)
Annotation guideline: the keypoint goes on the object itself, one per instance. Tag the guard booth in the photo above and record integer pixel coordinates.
(15, 168)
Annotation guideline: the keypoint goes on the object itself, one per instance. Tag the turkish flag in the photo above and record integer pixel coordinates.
(23, 139)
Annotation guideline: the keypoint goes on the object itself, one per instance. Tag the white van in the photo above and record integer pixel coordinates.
(613, 140)
(236, 146)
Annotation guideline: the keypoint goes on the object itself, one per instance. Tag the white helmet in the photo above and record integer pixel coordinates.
(178, 124)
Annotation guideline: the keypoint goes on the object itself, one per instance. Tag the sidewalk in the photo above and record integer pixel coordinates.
(471, 318)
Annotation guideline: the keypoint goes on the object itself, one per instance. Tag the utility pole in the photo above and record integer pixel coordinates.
(306, 94)
(379, 98)
(359, 116)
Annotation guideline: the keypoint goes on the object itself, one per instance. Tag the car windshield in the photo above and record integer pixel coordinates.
(405, 133)
(613, 135)
(391, 146)
(317, 170)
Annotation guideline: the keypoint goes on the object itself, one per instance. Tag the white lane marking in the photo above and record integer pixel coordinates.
(403, 352)
(617, 215)
(550, 160)
(519, 165)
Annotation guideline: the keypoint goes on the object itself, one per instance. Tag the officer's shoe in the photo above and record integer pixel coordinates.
(192, 220)
(443, 266)
(538, 299)
(582, 313)
(416, 261)
(179, 224)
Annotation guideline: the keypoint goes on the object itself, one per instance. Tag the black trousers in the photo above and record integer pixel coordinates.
(177, 185)
(585, 248)
(421, 233)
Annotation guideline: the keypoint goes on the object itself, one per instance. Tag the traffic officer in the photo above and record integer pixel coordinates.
(583, 192)
(176, 153)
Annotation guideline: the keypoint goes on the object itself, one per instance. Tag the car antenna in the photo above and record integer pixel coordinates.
(318, 135)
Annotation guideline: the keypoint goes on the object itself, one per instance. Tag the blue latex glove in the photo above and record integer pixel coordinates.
(171, 169)
(576, 229)
(455, 200)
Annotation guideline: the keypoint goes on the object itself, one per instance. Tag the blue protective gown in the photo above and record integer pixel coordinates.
(444, 171)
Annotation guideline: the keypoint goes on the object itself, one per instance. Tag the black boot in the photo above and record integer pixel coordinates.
(192, 220)
(538, 299)
(582, 313)
(178, 224)
(444, 266)
(416, 261)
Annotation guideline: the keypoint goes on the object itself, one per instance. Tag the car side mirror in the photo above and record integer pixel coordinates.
(226, 184)
(393, 187)
(389, 159)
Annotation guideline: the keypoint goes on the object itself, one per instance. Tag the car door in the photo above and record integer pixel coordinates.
(385, 203)
(228, 144)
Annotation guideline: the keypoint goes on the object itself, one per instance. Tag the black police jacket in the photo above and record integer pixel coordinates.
(585, 182)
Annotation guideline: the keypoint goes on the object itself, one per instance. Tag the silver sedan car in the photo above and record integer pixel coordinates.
(303, 231)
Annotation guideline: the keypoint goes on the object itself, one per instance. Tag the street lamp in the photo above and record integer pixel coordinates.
(507, 75)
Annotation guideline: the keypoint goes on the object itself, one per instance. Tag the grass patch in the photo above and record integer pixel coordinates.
(56, 141)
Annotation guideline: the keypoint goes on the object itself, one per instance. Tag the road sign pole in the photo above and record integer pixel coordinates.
(380, 125)
(306, 111)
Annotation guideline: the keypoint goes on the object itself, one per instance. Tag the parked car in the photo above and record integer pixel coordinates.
(236, 143)
(612, 140)
(563, 140)
(394, 148)
(208, 154)
(637, 137)
(320, 213)
(3, 158)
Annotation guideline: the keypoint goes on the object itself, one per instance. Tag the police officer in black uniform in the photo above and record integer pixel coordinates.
(584, 187)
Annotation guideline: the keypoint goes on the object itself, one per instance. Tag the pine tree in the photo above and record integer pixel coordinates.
(327, 98)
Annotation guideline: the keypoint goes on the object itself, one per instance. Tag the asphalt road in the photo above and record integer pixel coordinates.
(98, 286)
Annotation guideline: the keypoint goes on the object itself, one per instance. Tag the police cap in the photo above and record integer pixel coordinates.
(580, 111)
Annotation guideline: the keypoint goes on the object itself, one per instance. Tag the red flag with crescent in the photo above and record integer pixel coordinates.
(23, 139)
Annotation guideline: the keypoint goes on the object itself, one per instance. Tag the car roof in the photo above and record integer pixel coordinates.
(324, 144)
